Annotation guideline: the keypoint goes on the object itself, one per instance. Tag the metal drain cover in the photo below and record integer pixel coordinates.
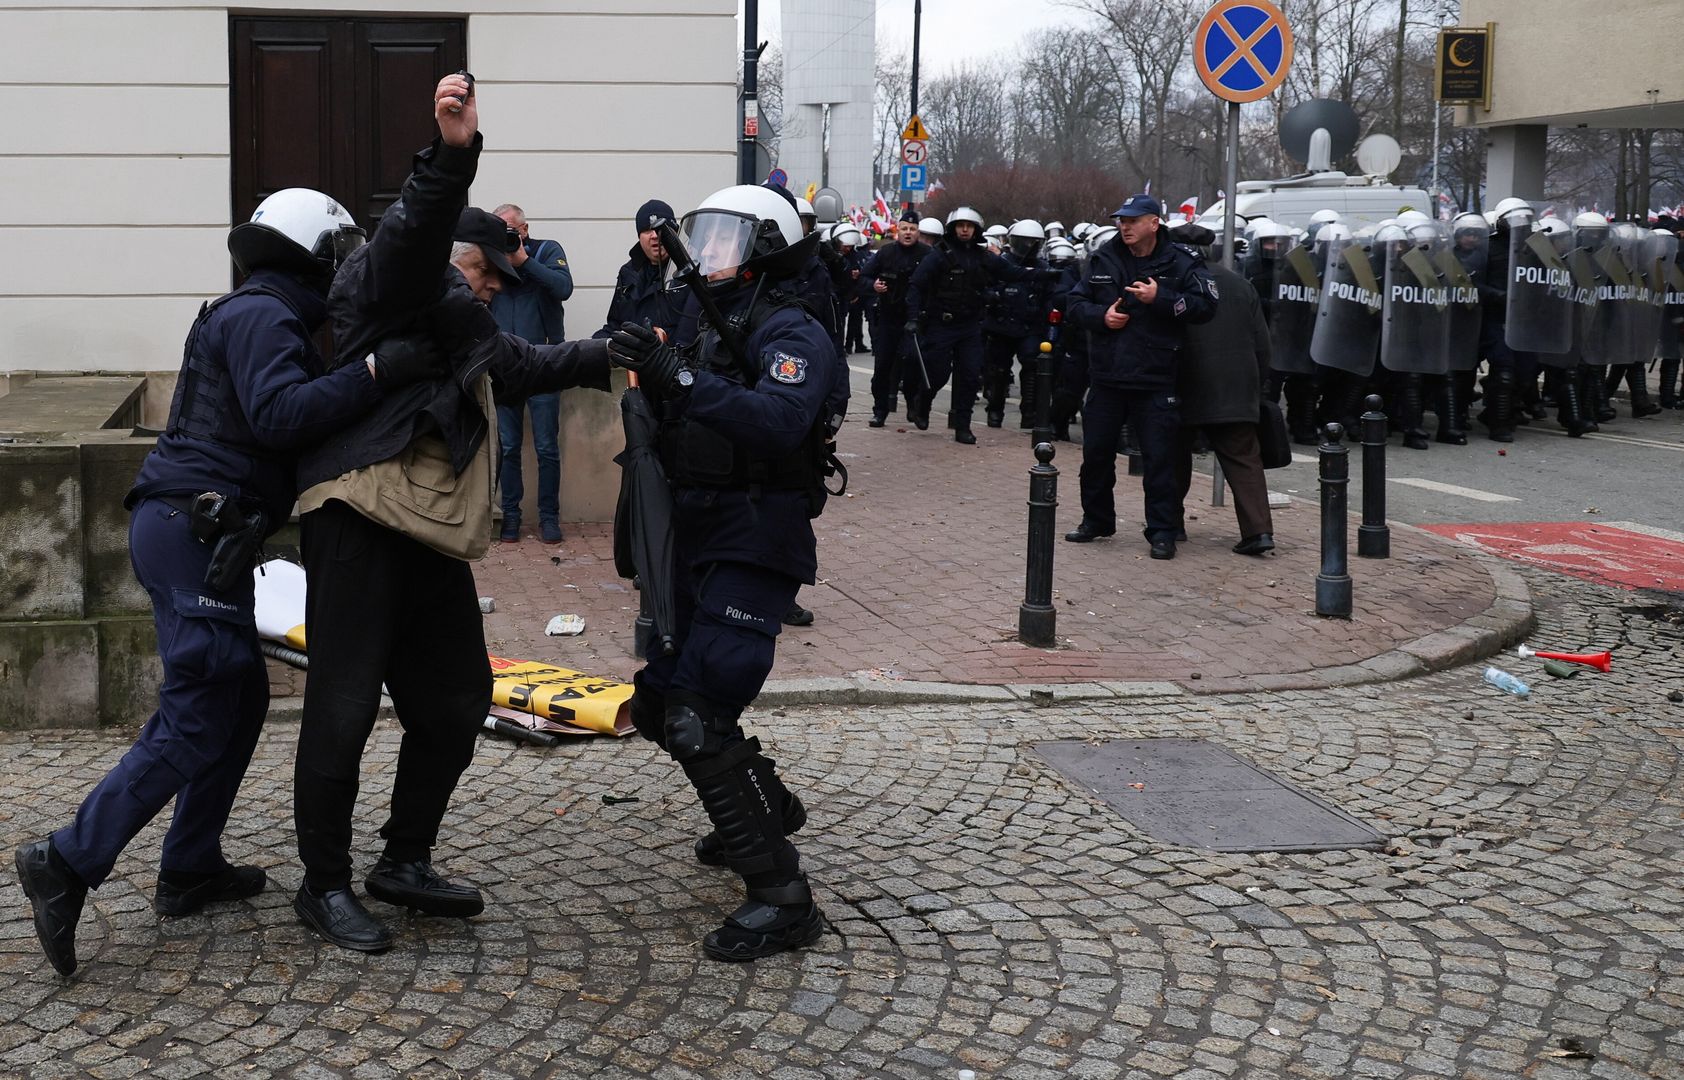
(1193, 793)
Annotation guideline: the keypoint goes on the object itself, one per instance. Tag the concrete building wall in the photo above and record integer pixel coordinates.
(829, 58)
(116, 170)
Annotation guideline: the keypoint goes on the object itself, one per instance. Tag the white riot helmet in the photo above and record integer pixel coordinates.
(1554, 226)
(804, 210)
(961, 214)
(1469, 223)
(1267, 238)
(747, 231)
(1590, 220)
(930, 227)
(1082, 230)
(1059, 251)
(1100, 237)
(993, 232)
(846, 234)
(1055, 228)
(1334, 232)
(1411, 218)
(299, 230)
(1512, 212)
(1324, 217)
(1026, 238)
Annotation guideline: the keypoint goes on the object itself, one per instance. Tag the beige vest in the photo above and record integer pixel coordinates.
(417, 493)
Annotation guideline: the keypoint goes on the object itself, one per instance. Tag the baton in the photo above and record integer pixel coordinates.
(918, 354)
(511, 730)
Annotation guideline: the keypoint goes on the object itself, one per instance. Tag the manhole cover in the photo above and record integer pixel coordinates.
(1193, 793)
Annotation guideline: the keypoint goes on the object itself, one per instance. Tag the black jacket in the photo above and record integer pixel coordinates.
(640, 293)
(895, 263)
(951, 284)
(1225, 360)
(1142, 355)
(402, 282)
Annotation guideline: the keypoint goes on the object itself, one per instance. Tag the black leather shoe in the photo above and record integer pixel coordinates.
(174, 898)
(963, 435)
(418, 886)
(773, 921)
(1163, 548)
(1255, 545)
(1087, 533)
(798, 616)
(877, 420)
(340, 918)
(57, 895)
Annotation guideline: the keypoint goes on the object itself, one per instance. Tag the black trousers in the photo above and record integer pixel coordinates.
(383, 608)
(1155, 418)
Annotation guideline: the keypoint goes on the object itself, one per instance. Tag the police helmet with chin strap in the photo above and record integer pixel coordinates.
(745, 232)
(961, 214)
(299, 230)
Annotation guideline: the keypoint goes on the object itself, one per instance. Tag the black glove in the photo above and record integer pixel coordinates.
(399, 361)
(911, 326)
(631, 345)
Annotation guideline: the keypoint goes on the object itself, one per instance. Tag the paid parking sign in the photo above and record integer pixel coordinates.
(1243, 49)
(913, 177)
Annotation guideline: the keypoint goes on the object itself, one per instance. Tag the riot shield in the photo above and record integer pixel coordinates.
(1627, 299)
(1347, 334)
(1297, 294)
(1415, 322)
(1540, 302)
(1462, 264)
(1600, 337)
(1672, 336)
(1587, 302)
(1659, 248)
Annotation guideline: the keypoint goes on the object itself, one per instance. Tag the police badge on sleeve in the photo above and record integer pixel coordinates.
(789, 370)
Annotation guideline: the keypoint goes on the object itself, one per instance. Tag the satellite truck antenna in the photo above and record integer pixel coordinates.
(1319, 132)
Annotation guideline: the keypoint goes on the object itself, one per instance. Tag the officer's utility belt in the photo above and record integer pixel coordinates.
(218, 520)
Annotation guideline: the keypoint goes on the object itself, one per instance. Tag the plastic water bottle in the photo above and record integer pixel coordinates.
(1502, 680)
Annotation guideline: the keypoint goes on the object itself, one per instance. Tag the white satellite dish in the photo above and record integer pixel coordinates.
(1378, 155)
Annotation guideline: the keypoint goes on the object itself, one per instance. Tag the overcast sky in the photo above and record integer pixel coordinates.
(954, 30)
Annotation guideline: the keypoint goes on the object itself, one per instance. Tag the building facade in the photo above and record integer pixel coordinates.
(829, 50)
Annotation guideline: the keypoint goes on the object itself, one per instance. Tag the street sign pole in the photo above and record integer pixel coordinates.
(1233, 188)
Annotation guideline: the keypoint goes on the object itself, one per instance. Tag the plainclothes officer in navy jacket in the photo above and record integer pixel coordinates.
(250, 395)
(743, 441)
(641, 291)
(1141, 291)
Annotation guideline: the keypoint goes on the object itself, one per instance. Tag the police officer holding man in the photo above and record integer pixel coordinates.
(251, 393)
(890, 270)
(744, 433)
(1140, 292)
(946, 299)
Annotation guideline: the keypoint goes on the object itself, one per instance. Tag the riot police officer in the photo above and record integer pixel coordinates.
(743, 439)
(889, 270)
(1013, 326)
(251, 394)
(1070, 360)
(1508, 369)
(946, 299)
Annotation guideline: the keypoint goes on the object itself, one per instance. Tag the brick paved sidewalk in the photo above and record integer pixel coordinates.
(922, 571)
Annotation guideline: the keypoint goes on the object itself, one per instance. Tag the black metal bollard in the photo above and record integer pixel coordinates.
(1043, 395)
(1037, 621)
(1374, 537)
(1333, 584)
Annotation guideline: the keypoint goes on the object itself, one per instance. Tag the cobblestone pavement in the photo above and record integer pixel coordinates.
(1524, 920)
(943, 604)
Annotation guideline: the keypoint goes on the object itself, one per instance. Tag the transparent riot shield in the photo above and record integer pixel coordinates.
(1297, 294)
(1540, 302)
(1659, 249)
(1600, 339)
(1347, 334)
(1627, 300)
(1587, 299)
(1461, 264)
(1415, 321)
(1672, 334)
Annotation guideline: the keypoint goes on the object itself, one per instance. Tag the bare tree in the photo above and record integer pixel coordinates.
(889, 109)
(965, 111)
(1147, 41)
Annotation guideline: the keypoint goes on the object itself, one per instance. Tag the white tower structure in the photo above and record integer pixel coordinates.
(829, 86)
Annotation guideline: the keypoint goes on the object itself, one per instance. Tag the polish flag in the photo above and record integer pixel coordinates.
(1189, 209)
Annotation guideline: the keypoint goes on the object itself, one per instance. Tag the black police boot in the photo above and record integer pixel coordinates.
(1588, 384)
(1499, 405)
(961, 425)
(1300, 395)
(1451, 408)
(918, 411)
(996, 417)
(56, 894)
(417, 886)
(1597, 399)
(1637, 381)
(1570, 407)
(798, 616)
(340, 919)
(183, 894)
(1412, 409)
(1531, 402)
(1669, 383)
(878, 418)
(1086, 532)
(775, 919)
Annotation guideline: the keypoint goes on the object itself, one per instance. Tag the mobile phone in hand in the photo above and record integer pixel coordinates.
(461, 99)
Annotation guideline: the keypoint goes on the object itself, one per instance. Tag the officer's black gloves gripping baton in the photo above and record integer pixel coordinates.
(399, 361)
(638, 348)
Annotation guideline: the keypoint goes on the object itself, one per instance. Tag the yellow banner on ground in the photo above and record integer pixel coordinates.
(560, 695)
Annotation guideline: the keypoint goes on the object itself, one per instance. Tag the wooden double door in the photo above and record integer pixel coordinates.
(336, 104)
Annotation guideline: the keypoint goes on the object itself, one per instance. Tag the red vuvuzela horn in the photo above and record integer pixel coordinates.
(1601, 661)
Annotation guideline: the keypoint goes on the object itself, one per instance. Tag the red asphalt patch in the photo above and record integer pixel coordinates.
(1599, 553)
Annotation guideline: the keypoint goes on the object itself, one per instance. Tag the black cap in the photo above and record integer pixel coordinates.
(652, 213)
(909, 214)
(492, 234)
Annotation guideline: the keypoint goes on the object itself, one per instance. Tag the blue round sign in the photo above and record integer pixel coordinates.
(1243, 49)
(778, 177)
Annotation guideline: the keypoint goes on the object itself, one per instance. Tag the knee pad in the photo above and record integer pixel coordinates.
(694, 727)
(648, 710)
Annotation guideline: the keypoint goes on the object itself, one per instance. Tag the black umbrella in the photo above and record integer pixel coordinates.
(643, 544)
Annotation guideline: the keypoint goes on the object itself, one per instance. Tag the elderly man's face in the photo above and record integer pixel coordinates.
(483, 278)
(1135, 230)
(906, 233)
(515, 222)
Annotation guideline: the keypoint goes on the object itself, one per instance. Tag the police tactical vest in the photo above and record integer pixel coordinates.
(204, 405)
(960, 283)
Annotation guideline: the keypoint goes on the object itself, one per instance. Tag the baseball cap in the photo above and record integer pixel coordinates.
(1139, 206)
(492, 234)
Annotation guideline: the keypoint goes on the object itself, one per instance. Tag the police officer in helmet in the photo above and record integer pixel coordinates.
(252, 392)
(744, 434)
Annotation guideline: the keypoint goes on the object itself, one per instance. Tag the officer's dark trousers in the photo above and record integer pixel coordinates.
(728, 615)
(1236, 447)
(196, 747)
(955, 349)
(999, 353)
(383, 608)
(1155, 418)
(887, 367)
(855, 337)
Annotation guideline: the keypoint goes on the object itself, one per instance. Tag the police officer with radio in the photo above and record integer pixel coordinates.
(890, 270)
(744, 440)
(251, 393)
(946, 299)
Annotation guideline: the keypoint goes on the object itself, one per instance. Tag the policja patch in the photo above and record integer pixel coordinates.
(787, 369)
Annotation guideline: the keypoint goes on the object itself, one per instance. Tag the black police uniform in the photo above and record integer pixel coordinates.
(641, 295)
(857, 296)
(1132, 375)
(1013, 326)
(893, 264)
(946, 300)
(1512, 381)
(251, 394)
(1070, 354)
(744, 452)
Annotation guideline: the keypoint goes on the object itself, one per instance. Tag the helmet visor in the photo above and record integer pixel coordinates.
(719, 241)
(336, 246)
